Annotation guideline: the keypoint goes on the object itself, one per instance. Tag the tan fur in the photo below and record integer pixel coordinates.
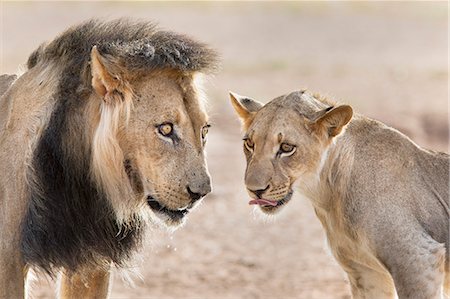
(382, 200)
(90, 284)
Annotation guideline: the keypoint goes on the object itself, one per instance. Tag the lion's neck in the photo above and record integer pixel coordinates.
(62, 157)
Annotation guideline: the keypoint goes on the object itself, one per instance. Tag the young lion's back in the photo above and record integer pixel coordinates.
(400, 192)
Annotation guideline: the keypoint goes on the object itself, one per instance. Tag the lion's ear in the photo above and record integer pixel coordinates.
(333, 120)
(105, 81)
(245, 107)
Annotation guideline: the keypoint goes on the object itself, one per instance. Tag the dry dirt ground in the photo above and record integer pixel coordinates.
(388, 60)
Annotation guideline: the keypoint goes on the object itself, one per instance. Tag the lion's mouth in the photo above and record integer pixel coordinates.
(158, 208)
(270, 206)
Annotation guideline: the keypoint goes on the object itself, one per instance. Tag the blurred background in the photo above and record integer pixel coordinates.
(388, 60)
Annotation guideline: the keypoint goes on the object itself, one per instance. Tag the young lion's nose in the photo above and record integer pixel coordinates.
(259, 192)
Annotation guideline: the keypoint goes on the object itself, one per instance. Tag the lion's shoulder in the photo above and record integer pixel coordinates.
(5, 82)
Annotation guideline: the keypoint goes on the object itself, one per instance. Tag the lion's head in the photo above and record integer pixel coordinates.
(151, 134)
(285, 141)
(123, 143)
(148, 144)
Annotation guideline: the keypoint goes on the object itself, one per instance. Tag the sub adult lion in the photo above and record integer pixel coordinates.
(102, 136)
(382, 200)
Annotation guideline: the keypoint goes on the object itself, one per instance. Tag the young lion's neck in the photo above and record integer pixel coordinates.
(329, 185)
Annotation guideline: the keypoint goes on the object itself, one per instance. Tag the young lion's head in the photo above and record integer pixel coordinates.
(285, 140)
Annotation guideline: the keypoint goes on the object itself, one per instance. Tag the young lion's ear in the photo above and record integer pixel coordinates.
(245, 107)
(105, 81)
(333, 120)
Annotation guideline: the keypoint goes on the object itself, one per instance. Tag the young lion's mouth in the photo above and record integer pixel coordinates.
(264, 202)
(158, 208)
(270, 206)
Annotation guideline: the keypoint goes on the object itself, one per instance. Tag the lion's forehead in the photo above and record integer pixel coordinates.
(161, 100)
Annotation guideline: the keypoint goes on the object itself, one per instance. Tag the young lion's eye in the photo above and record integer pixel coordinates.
(165, 129)
(287, 148)
(249, 145)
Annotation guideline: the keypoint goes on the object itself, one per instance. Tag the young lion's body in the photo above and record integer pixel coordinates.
(382, 200)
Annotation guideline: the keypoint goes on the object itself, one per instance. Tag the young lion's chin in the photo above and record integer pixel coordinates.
(272, 210)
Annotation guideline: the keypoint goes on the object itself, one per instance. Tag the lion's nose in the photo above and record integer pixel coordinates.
(197, 193)
(259, 192)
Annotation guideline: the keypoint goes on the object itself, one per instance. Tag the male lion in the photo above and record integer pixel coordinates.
(103, 133)
(382, 199)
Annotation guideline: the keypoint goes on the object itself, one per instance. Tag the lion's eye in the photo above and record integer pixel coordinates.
(249, 144)
(165, 129)
(287, 148)
(205, 131)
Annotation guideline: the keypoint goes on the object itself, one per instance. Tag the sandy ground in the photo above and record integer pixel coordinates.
(389, 61)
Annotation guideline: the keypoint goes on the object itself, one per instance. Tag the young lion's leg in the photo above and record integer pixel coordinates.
(86, 284)
(416, 263)
(367, 283)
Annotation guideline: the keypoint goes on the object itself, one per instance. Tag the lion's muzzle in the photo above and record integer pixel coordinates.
(198, 191)
(172, 212)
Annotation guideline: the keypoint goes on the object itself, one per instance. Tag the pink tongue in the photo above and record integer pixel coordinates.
(263, 202)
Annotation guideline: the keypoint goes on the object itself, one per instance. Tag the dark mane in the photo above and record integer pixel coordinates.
(69, 221)
(140, 45)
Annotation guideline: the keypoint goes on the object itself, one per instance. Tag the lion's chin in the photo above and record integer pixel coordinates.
(168, 217)
(170, 223)
(272, 210)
